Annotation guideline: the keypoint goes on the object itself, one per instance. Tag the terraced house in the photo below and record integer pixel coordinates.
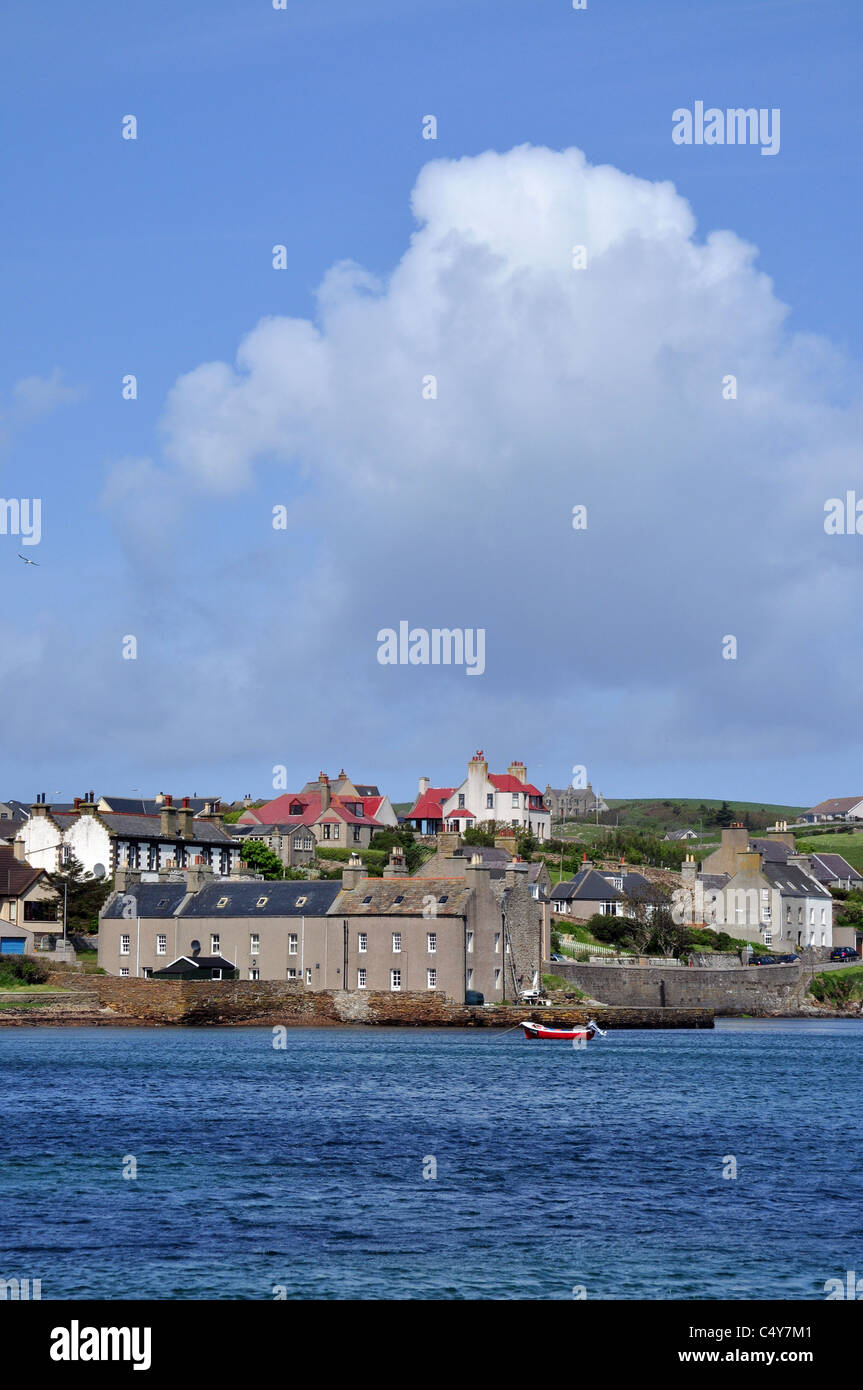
(104, 841)
(398, 933)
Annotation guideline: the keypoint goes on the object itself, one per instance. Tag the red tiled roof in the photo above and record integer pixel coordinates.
(504, 782)
(278, 812)
(460, 813)
(429, 805)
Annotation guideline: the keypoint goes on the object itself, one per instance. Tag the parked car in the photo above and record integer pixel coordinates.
(763, 960)
(788, 960)
(844, 953)
(556, 957)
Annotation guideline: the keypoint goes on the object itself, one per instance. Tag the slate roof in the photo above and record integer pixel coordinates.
(382, 893)
(588, 886)
(141, 827)
(151, 900)
(199, 962)
(136, 805)
(790, 879)
(836, 806)
(834, 867)
(284, 898)
(771, 851)
(15, 877)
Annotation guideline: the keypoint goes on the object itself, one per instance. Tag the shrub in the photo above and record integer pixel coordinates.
(22, 970)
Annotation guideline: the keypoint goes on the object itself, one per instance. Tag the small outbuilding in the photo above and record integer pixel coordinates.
(197, 967)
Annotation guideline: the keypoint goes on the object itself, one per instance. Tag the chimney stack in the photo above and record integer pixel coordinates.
(354, 872)
(168, 817)
(185, 819)
(518, 770)
(324, 784)
(424, 785)
(397, 866)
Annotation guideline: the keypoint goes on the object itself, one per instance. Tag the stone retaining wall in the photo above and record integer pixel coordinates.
(271, 1002)
(759, 990)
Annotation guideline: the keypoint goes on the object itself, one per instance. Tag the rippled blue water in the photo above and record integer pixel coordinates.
(303, 1168)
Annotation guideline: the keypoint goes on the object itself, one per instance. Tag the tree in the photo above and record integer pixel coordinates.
(724, 816)
(85, 895)
(256, 855)
(526, 842)
(390, 838)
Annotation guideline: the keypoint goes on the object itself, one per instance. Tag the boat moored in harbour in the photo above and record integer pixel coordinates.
(582, 1032)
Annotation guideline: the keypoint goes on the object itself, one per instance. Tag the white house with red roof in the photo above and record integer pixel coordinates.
(505, 798)
(345, 821)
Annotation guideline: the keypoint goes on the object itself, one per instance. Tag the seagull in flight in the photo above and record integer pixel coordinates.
(26, 561)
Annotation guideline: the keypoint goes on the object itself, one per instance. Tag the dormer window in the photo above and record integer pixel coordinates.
(262, 902)
(223, 902)
(301, 902)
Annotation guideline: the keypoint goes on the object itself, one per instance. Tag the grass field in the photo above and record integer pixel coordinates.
(679, 813)
(849, 846)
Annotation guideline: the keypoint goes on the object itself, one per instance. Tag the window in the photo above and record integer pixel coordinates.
(399, 899)
(811, 916)
(489, 801)
(497, 943)
(161, 945)
(262, 902)
(397, 941)
(514, 800)
(497, 979)
(215, 944)
(367, 900)
(799, 914)
(357, 830)
(431, 938)
(308, 974)
(443, 899)
(124, 970)
(461, 800)
(470, 941)
(254, 974)
(361, 978)
(431, 979)
(362, 941)
(823, 918)
(335, 832)
(469, 979)
(223, 902)
(163, 902)
(298, 844)
(292, 974)
(216, 975)
(788, 913)
(300, 902)
(254, 944)
(125, 945)
(395, 979)
(293, 940)
(327, 831)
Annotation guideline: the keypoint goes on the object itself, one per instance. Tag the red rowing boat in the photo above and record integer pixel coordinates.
(582, 1032)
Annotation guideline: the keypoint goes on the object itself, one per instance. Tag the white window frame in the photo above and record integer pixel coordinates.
(395, 981)
(469, 946)
(362, 942)
(293, 943)
(431, 942)
(362, 976)
(254, 944)
(431, 978)
(397, 943)
(215, 943)
(125, 945)
(161, 944)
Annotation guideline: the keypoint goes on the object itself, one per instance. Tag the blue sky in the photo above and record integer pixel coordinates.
(258, 648)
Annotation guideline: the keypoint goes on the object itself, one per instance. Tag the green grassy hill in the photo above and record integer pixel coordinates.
(849, 846)
(680, 813)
